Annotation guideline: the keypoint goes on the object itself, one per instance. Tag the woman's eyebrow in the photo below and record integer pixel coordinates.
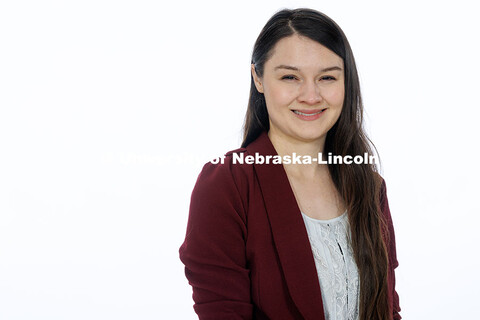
(283, 66)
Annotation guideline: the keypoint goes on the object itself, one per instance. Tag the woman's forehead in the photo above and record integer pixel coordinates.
(302, 53)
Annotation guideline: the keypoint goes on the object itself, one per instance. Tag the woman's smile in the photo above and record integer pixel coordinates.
(308, 115)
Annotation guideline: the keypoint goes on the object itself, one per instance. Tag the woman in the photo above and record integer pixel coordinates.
(310, 240)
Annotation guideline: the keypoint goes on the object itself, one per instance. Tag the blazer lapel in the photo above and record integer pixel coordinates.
(289, 233)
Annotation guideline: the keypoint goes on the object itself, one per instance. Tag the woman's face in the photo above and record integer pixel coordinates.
(303, 85)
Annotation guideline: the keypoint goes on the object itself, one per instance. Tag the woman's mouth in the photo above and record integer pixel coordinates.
(308, 115)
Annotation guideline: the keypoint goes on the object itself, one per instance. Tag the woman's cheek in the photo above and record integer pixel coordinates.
(335, 97)
(284, 96)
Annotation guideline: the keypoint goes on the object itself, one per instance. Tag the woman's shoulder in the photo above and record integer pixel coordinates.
(227, 163)
(226, 171)
(382, 187)
(387, 216)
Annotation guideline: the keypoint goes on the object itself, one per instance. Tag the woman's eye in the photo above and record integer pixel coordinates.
(328, 78)
(292, 77)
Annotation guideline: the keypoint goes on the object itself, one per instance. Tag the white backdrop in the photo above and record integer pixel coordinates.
(110, 108)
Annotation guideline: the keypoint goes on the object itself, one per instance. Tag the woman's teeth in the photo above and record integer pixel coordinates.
(307, 114)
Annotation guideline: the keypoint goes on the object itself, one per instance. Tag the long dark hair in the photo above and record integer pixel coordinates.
(358, 184)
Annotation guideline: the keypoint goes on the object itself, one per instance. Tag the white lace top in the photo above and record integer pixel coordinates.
(336, 267)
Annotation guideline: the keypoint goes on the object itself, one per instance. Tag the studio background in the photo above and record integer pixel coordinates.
(109, 109)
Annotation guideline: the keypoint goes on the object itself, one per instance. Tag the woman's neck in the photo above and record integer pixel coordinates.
(288, 146)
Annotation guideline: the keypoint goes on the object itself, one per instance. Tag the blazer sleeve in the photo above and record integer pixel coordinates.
(392, 252)
(214, 248)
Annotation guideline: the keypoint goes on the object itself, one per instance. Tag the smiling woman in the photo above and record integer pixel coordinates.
(295, 240)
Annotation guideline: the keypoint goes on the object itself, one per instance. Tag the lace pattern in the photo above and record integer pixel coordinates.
(336, 267)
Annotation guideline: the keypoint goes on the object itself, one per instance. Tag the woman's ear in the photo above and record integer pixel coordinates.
(256, 80)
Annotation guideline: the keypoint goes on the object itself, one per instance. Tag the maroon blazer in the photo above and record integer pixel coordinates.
(246, 250)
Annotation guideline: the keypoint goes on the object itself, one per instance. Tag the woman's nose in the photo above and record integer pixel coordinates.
(310, 93)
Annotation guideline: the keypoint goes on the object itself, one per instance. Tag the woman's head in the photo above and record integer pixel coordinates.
(303, 88)
(303, 28)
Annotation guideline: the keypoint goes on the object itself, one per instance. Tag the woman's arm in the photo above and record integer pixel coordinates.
(392, 252)
(214, 248)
